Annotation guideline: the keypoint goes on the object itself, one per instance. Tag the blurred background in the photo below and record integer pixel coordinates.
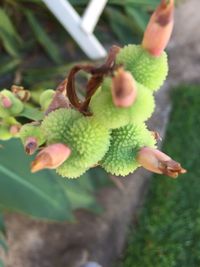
(91, 219)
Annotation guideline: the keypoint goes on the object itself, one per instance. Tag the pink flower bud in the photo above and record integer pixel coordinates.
(50, 157)
(5, 101)
(31, 145)
(158, 162)
(124, 90)
(159, 29)
(14, 129)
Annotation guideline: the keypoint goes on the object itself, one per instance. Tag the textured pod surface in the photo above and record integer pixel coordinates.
(125, 143)
(31, 130)
(112, 117)
(87, 139)
(16, 107)
(148, 70)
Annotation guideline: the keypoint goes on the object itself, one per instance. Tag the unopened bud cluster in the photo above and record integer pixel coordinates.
(115, 135)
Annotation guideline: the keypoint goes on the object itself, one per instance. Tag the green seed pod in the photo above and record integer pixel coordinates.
(112, 117)
(124, 145)
(46, 98)
(33, 131)
(57, 123)
(148, 70)
(87, 139)
(16, 105)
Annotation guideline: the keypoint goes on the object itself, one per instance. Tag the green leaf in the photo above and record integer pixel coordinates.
(9, 65)
(39, 195)
(32, 113)
(139, 16)
(99, 178)
(48, 45)
(8, 35)
(120, 25)
(80, 197)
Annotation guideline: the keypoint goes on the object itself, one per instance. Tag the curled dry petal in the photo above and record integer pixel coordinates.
(21, 93)
(158, 162)
(124, 90)
(50, 157)
(159, 29)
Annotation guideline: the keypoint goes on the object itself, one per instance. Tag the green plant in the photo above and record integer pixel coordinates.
(74, 133)
(81, 134)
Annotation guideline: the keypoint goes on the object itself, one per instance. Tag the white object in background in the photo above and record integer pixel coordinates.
(80, 29)
(92, 14)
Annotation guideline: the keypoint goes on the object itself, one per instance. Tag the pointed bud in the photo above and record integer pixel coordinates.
(159, 29)
(158, 162)
(5, 101)
(50, 157)
(124, 90)
(31, 145)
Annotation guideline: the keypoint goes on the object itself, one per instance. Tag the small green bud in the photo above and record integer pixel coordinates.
(32, 137)
(15, 106)
(46, 98)
(147, 69)
(106, 112)
(5, 133)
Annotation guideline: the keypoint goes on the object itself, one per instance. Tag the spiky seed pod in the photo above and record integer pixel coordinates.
(46, 98)
(146, 69)
(57, 123)
(105, 111)
(124, 145)
(14, 108)
(32, 137)
(87, 139)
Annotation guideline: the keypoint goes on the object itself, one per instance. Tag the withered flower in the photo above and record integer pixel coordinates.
(158, 162)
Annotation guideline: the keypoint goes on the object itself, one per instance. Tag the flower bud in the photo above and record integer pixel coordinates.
(31, 145)
(15, 129)
(5, 101)
(159, 29)
(124, 90)
(158, 162)
(50, 157)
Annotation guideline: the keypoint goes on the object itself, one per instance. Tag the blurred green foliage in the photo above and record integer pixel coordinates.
(168, 233)
(31, 39)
